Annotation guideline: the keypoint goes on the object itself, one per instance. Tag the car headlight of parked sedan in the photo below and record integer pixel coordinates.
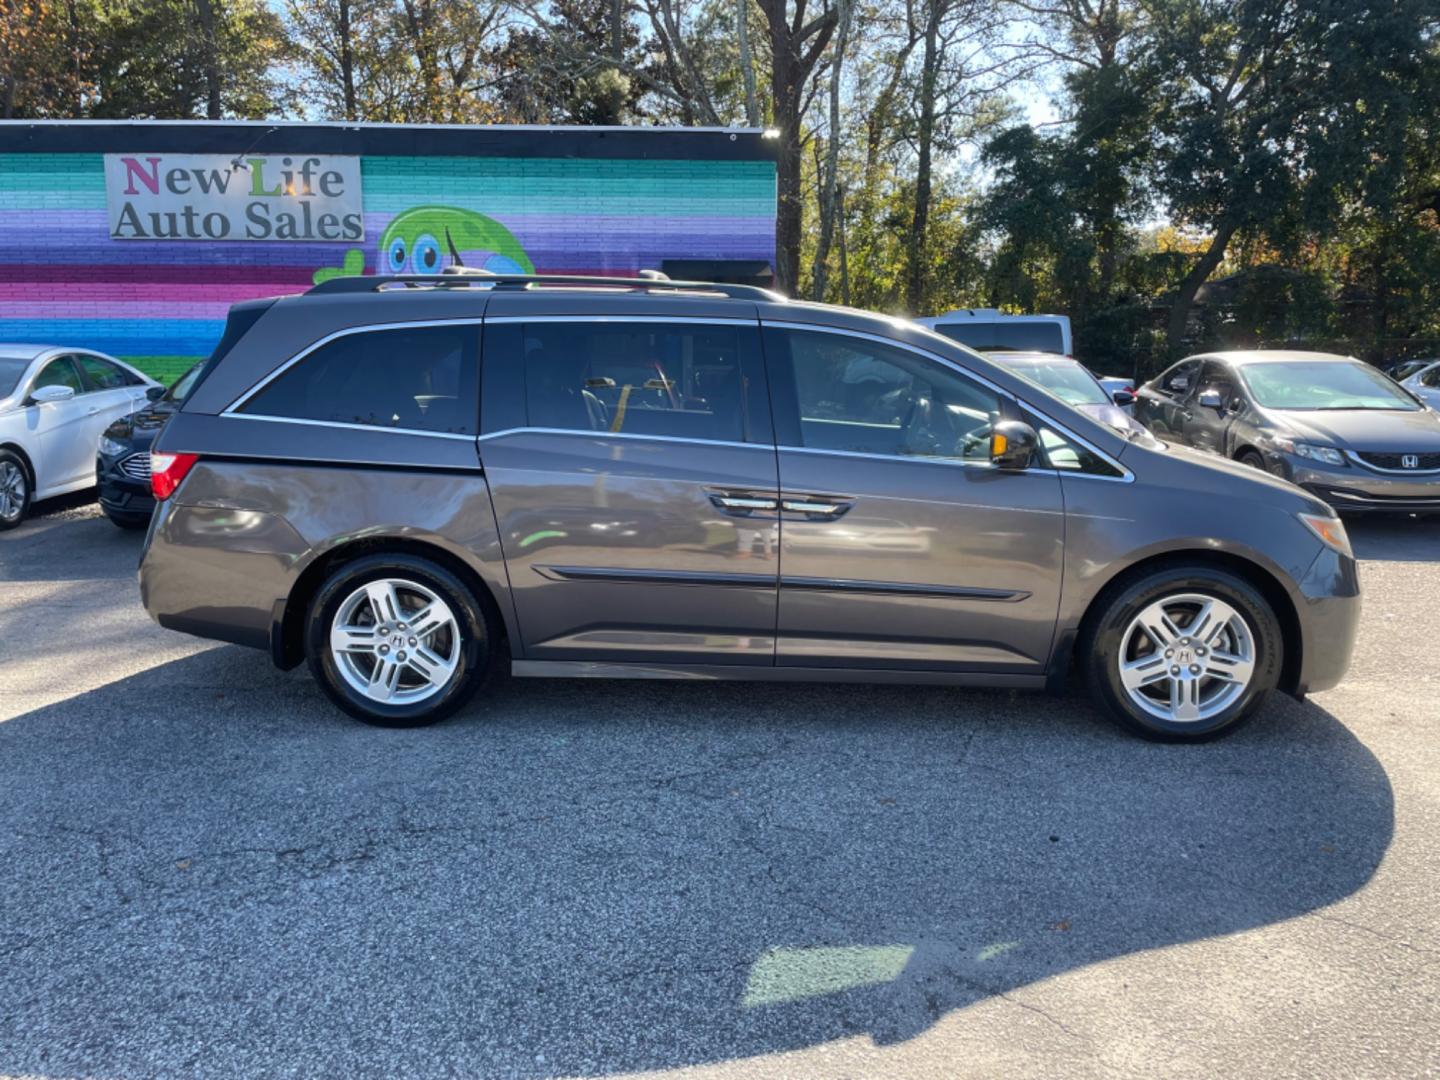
(110, 448)
(1327, 454)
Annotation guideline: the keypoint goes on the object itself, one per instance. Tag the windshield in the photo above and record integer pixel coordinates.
(1014, 336)
(1324, 384)
(11, 368)
(184, 384)
(1067, 380)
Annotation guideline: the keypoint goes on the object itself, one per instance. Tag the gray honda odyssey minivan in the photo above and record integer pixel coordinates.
(402, 480)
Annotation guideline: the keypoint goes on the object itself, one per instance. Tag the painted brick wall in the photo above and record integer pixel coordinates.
(161, 304)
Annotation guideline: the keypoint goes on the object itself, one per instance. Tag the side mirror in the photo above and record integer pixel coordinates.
(154, 393)
(1012, 444)
(1123, 397)
(1211, 399)
(43, 394)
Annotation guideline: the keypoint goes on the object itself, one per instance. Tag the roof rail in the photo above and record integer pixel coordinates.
(509, 282)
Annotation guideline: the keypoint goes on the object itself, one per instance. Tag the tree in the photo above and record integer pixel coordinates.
(796, 47)
(45, 57)
(167, 59)
(1273, 110)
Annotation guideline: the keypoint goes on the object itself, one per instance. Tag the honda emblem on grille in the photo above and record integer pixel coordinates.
(1409, 461)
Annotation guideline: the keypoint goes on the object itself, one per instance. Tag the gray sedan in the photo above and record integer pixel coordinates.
(1331, 424)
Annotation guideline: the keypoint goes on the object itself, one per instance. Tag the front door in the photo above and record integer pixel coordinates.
(902, 546)
(63, 429)
(633, 474)
(1207, 427)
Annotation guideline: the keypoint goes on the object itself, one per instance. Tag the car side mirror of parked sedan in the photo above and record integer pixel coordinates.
(1212, 399)
(43, 394)
(1012, 445)
(154, 393)
(1123, 397)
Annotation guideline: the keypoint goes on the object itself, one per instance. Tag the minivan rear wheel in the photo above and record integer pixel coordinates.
(1183, 654)
(397, 640)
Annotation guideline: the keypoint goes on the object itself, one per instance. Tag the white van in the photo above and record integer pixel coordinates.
(986, 329)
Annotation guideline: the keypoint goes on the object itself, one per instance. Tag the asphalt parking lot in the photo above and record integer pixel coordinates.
(208, 871)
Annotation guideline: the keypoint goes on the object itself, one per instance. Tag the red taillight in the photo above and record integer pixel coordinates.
(167, 470)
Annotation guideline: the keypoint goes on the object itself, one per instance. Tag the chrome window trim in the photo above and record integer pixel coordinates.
(766, 446)
(972, 463)
(1126, 476)
(420, 432)
(703, 320)
(1358, 460)
(234, 406)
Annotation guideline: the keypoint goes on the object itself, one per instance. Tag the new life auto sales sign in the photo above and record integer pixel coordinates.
(214, 197)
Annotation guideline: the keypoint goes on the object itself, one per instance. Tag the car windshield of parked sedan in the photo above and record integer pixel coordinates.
(11, 369)
(1067, 380)
(1324, 384)
(184, 384)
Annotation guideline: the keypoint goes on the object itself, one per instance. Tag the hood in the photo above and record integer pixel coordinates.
(1258, 477)
(1382, 430)
(1114, 416)
(140, 428)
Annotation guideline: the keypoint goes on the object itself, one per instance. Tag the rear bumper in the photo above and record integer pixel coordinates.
(217, 573)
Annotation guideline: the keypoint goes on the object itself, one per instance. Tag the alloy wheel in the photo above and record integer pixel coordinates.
(395, 641)
(1186, 658)
(12, 490)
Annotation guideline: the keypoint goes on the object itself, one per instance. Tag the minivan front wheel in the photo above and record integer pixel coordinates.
(1183, 654)
(396, 640)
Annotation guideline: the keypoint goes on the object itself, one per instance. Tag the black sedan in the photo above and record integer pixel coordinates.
(122, 464)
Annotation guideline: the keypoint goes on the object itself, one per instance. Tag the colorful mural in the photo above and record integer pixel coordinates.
(161, 304)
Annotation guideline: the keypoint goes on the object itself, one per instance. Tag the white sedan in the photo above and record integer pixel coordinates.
(54, 403)
(1425, 384)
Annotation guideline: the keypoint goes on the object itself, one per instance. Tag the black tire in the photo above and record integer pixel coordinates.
(1253, 459)
(1100, 649)
(27, 492)
(475, 631)
(122, 520)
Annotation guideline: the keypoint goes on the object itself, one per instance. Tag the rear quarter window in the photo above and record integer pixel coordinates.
(421, 379)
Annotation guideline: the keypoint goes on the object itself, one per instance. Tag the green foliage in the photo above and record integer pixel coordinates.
(1222, 171)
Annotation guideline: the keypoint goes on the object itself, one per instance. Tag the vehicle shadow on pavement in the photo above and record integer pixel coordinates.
(210, 872)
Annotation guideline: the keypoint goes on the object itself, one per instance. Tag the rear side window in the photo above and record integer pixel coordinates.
(425, 379)
(678, 380)
(1180, 378)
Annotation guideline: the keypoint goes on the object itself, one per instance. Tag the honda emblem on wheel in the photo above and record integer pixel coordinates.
(1410, 461)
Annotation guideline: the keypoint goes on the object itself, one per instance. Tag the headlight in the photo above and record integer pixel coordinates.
(110, 448)
(1329, 529)
(1328, 454)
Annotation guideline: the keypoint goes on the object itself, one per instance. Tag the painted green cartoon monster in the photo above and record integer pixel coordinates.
(426, 239)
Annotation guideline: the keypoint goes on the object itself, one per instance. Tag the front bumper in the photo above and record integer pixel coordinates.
(1358, 488)
(121, 493)
(1328, 607)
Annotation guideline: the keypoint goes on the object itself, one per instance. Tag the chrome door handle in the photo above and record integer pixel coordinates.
(92, 410)
(815, 509)
(741, 503)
